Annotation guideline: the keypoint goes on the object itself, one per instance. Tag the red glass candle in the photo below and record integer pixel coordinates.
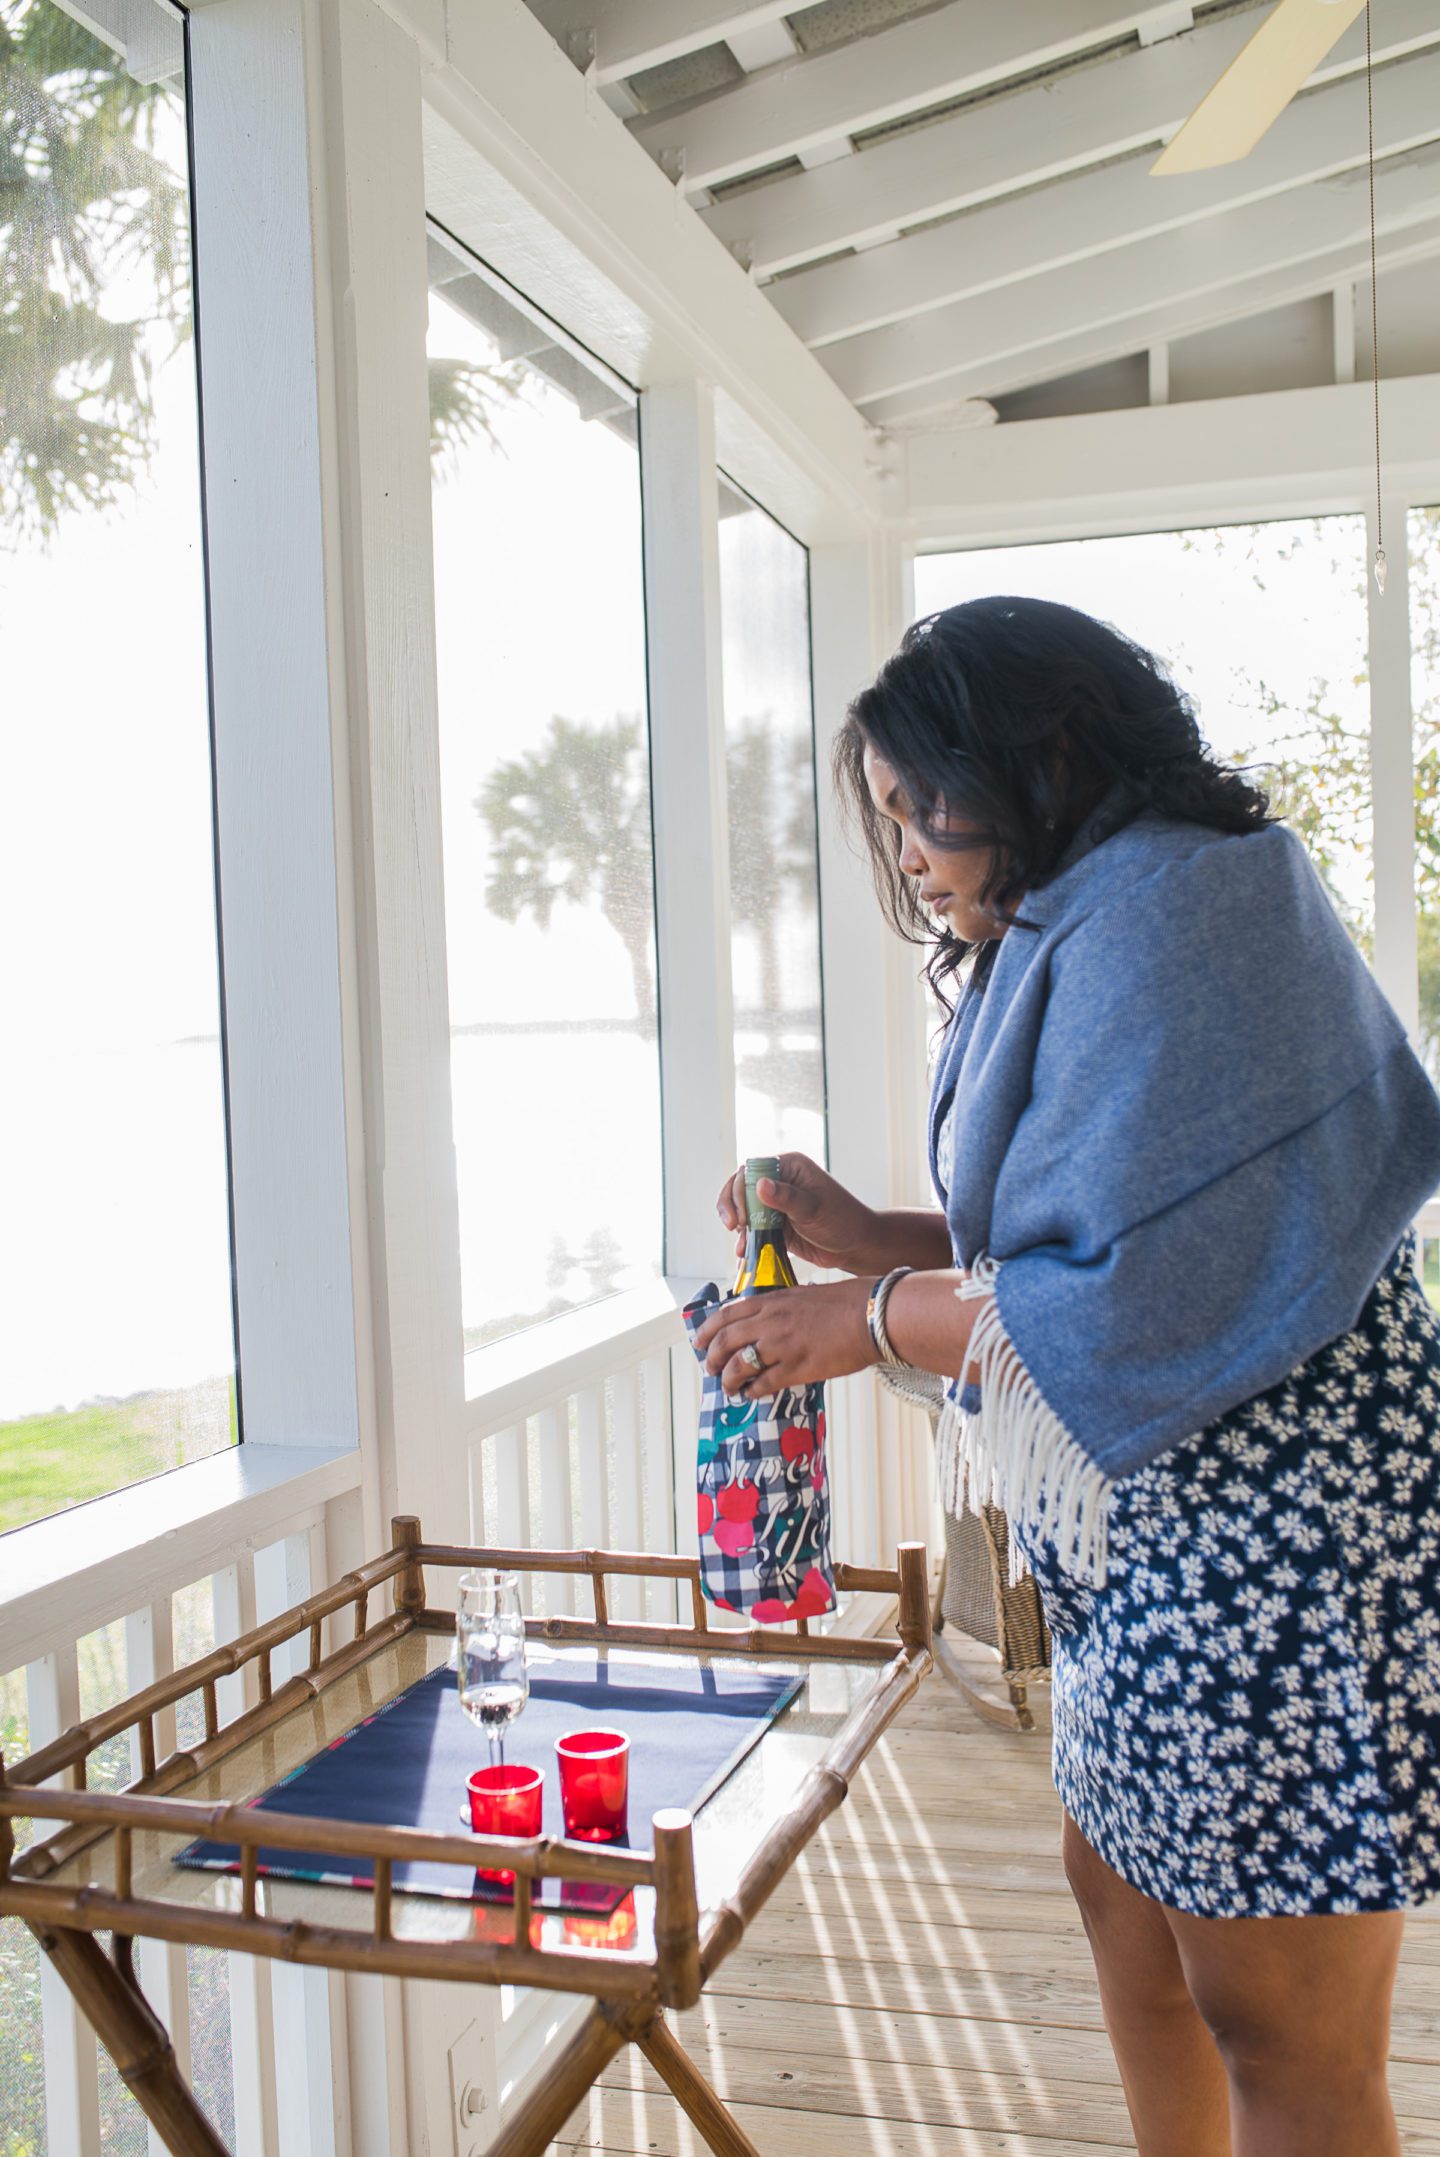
(619, 1930)
(505, 1801)
(594, 1784)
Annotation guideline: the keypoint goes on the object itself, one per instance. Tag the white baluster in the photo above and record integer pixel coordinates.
(475, 1467)
(317, 1577)
(312, 2084)
(557, 1522)
(307, 2010)
(628, 1517)
(232, 1592)
(594, 1491)
(252, 2047)
(252, 2029)
(164, 1978)
(512, 1509)
(72, 2092)
(282, 1579)
(658, 1478)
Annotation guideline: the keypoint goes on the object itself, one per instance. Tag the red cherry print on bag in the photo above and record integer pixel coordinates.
(795, 1442)
(813, 1598)
(734, 1536)
(705, 1512)
(739, 1501)
(769, 1611)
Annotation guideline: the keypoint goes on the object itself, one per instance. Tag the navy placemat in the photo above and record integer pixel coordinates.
(406, 1765)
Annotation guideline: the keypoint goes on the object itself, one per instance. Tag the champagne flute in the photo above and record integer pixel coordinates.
(490, 1663)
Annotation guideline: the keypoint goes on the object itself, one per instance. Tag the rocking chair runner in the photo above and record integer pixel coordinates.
(976, 1595)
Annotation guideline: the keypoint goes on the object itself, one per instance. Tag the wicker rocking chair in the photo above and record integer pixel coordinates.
(975, 1595)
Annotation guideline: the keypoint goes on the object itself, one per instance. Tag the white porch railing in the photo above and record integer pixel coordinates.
(569, 1441)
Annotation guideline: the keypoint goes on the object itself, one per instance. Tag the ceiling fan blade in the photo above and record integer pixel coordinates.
(1258, 84)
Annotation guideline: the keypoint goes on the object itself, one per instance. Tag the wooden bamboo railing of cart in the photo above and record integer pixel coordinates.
(629, 1991)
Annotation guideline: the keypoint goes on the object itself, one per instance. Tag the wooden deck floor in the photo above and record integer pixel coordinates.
(921, 1985)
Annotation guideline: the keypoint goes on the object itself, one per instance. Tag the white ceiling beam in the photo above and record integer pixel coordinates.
(766, 47)
(1022, 320)
(1256, 293)
(524, 162)
(968, 46)
(1094, 213)
(1017, 141)
(1159, 468)
(631, 35)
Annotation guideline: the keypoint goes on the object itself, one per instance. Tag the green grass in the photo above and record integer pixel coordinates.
(48, 1462)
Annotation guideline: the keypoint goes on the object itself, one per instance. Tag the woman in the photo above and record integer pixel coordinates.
(1180, 1139)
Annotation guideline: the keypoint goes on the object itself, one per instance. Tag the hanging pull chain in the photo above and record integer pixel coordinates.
(1380, 564)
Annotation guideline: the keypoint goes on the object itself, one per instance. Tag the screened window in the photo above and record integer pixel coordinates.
(115, 1273)
(774, 875)
(1265, 626)
(549, 887)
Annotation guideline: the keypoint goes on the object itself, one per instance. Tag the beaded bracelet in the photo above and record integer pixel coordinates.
(875, 1315)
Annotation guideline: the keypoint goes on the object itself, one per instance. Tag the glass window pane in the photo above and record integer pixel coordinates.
(1424, 540)
(1264, 625)
(545, 800)
(774, 874)
(115, 1275)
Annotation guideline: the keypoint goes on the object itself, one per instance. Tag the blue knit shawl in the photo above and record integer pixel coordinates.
(1187, 1132)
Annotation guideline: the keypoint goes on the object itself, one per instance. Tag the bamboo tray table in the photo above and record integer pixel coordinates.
(107, 1865)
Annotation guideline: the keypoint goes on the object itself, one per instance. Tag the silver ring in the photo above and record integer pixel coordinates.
(751, 1355)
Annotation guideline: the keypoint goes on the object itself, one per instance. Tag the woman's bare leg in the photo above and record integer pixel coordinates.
(1174, 2080)
(1300, 2010)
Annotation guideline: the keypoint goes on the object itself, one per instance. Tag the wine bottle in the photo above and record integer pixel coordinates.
(766, 1262)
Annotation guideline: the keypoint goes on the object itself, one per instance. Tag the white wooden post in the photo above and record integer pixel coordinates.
(1392, 769)
(72, 2092)
(380, 552)
(874, 1038)
(272, 674)
(690, 809)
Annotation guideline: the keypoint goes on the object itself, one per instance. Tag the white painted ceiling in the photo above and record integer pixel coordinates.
(951, 203)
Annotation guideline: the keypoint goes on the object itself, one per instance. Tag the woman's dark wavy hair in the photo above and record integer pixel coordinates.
(1008, 712)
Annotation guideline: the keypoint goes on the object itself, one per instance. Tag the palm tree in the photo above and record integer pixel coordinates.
(571, 821)
(87, 195)
(83, 196)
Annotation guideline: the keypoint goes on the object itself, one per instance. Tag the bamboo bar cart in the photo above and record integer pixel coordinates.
(101, 1867)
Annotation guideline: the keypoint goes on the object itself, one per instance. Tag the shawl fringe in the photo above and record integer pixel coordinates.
(1013, 1450)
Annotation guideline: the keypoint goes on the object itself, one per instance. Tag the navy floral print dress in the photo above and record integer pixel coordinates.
(1247, 1714)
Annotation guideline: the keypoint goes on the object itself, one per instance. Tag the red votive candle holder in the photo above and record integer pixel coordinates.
(505, 1801)
(594, 1784)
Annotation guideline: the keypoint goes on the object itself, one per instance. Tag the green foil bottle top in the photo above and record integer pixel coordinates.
(757, 1214)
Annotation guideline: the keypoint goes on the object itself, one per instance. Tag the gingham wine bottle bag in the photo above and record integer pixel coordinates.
(762, 1496)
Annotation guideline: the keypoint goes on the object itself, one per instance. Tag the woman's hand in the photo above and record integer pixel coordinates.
(826, 1224)
(801, 1334)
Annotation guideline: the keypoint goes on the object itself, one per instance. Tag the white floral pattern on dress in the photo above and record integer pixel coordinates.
(1247, 1715)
